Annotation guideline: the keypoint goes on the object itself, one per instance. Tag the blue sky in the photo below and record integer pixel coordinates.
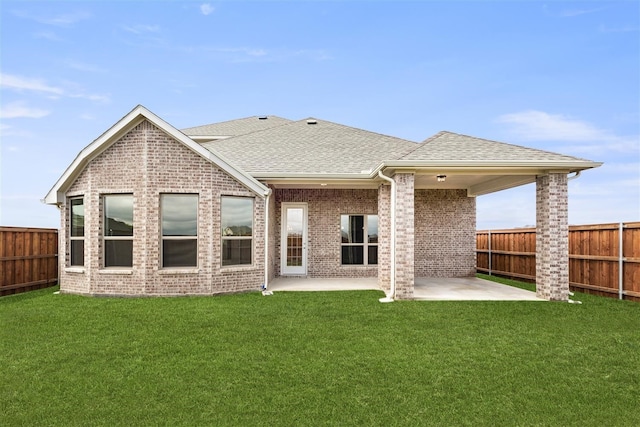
(559, 76)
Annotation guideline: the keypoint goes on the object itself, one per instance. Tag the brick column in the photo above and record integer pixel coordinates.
(552, 237)
(384, 237)
(404, 235)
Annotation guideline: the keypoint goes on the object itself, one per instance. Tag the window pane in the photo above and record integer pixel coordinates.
(77, 217)
(237, 216)
(118, 253)
(236, 252)
(352, 255)
(372, 229)
(352, 228)
(180, 253)
(373, 255)
(179, 215)
(118, 215)
(77, 252)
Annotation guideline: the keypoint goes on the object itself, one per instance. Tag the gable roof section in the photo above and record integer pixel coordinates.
(234, 127)
(451, 148)
(124, 125)
(310, 147)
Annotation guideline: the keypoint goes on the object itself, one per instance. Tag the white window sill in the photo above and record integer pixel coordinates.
(179, 271)
(115, 271)
(75, 270)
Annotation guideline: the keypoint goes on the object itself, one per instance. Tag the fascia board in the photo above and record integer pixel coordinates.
(128, 122)
(310, 176)
(571, 165)
(132, 119)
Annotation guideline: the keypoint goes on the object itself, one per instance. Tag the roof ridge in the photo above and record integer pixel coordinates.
(426, 141)
(359, 129)
(235, 120)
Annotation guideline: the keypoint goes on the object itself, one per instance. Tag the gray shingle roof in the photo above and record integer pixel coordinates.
(236, 127)
(453, 146)
(299, 148)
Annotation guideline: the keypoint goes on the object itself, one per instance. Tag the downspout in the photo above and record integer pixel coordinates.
(392, 291)
(266, 240)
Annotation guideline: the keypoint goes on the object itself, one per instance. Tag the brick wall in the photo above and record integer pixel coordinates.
(324, 209)
(445, 222)
(552, 237)
(147, 163)
(405, 232)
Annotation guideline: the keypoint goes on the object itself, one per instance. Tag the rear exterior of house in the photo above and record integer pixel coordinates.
(148, 210)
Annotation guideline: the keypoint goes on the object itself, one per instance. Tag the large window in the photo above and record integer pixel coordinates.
(359, 239)
(118, 230)
(76, 235)
(237, 230)
(179, 230)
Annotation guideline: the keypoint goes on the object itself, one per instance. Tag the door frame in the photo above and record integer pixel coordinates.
(294, 271)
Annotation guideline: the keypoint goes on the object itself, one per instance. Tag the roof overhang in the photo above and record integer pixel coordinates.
(476, 177)
(135, 117)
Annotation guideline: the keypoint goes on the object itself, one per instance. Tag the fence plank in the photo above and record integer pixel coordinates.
(28, 259)
(593, 256)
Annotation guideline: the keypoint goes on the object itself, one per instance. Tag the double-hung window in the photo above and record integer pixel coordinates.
(359, 239)
(237, 230)
(118, 230)
(76, 235)
(179, 230)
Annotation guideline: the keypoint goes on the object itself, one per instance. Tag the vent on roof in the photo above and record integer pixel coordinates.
(312, 122)
(262, 118)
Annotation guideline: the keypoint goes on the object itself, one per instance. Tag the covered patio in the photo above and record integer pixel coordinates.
(426, 289)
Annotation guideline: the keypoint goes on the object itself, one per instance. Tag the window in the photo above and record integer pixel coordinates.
(179, 230)
(118, 230)
(359, 248)
(237, 230)
(76, 235)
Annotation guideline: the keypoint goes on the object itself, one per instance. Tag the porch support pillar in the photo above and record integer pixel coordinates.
(405, 232)
(384, 237)
(552, 237)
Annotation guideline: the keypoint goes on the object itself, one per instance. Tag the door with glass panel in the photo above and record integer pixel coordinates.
(294, 239)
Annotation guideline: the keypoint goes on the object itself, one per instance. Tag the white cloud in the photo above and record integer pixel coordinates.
(20, 110)
(47, 35)
(535, 125)
(621, 29)
(24, 83)
(81, 66)
(61, 20)
(206, 9)
(570, 13)
(141, 28)
(20, 83)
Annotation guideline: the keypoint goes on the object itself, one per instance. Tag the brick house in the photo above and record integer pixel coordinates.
(147, 209)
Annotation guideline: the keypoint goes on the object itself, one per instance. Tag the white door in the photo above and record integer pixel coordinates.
(294, 239)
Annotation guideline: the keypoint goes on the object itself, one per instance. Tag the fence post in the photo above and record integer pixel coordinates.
(489, 252)
(620, 262)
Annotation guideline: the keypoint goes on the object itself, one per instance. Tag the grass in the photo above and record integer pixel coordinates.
(325, 358)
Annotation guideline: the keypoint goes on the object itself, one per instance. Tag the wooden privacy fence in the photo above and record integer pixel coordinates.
(604, 259)
(28, 259)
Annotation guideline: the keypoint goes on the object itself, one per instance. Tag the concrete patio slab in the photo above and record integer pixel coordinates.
(468, 289)
(426, 289)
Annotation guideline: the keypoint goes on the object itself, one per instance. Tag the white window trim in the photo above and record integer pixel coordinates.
(365, 244)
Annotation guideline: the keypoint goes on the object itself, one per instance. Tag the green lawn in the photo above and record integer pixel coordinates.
(325, 358)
